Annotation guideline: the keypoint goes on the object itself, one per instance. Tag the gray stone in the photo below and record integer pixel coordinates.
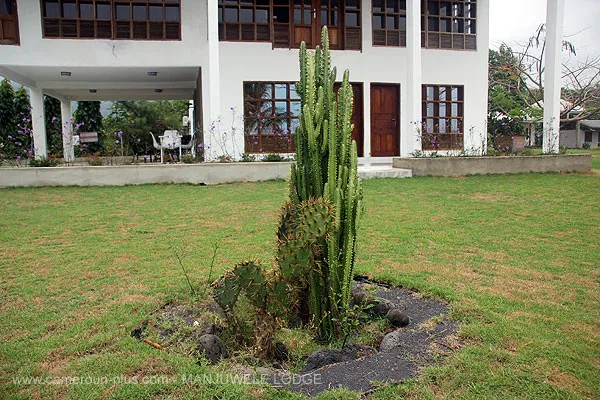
(212, 347)
(380, 306)
(397, 318)
(322, 357)
(391, 341)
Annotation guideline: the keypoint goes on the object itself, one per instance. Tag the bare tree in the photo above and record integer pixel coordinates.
(581, 78)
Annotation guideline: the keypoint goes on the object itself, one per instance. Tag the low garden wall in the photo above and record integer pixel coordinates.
(141, 174)
(458, 166)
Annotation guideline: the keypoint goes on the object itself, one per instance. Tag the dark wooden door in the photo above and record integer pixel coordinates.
(385, 120)
(9, 24)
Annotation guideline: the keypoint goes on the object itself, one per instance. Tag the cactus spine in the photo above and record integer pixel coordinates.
(327, 167)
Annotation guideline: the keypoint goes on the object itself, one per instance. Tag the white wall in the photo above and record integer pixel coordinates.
(241, 62)
(35, 50)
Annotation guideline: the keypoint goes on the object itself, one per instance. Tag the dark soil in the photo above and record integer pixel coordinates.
(428, 336)
(423, 340)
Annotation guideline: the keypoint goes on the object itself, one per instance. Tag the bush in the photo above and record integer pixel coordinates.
(248, 157)
(587, 146)
(94, 160)
(44, 162)
(188, 159)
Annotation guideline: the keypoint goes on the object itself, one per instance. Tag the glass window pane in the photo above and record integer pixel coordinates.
(442, 109)
(378, 5)
(430, 110)
(5, 7)
(172, 13)
(391, 6)
(231, 14)
(139, 13)
(266, 108)
(86, 10)
(378, 21)
(250, 126)
(247, 15)
(442, 125)
(295, 107)
(122, 11)
(442, 95)
(293, 93)
(52, 10)
(69, 10)
(391, 22)
(251, 90)
(281, 90)
(281, 108)
(307, 17)
(351, 19)
(155, 13)
(454, 125)
(102, 11)
(262, 16)
(266, 91)
(295, 123)
(430, 93)
(430, 123)
(352, 3)
(454, 109)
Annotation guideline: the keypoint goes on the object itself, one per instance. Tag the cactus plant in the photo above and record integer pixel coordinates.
(327, 168)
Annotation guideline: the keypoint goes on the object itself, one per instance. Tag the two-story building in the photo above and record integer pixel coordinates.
(417, 67)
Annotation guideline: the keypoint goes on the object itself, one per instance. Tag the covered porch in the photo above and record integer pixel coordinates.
(69, 84)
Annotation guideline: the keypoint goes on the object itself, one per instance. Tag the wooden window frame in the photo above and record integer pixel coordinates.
(395, 37)
(171, 29)
(275, 142)
(460, 19)
(17, 41)
(281, 34)
(432, 137)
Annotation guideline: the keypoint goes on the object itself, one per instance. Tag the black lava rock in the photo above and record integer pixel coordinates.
(397, 318)
(212, 347)
(323, 357)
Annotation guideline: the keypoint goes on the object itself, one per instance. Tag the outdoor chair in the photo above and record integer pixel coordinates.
(169, 141)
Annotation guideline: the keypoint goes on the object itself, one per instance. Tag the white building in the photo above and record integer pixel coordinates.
(415, 65)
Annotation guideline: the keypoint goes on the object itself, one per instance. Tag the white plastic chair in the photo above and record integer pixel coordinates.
(169, 141)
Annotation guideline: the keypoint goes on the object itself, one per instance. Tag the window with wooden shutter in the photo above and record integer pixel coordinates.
(286, 24)
(9, 22)
(389, 22)
(112, 19)
(449, 24)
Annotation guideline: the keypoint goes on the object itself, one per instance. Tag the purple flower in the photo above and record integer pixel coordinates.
(139, 140)
(54, 119)
(116, 141)
(10, 137)
(18, 157)
(132, 122)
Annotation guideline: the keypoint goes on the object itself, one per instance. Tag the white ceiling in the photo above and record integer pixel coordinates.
(110, 83)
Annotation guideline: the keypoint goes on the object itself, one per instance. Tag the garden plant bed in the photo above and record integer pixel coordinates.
(376, 355)
(460, 166)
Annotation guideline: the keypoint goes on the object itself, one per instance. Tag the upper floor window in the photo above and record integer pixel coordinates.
(444, 24)
(443, 114)
(288, 23)
(112, 19)
(389, 22)
(449, 24)
(9, 22)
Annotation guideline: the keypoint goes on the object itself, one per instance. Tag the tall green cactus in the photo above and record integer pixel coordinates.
(326, 166)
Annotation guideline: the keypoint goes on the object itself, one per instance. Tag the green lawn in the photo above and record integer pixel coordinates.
(517, 256)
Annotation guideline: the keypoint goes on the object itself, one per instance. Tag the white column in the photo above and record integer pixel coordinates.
(211, 82)
(552, 83)
(409, 136)
(66, 113)
(38, 122)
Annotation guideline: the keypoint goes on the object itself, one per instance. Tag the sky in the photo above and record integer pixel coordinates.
(514, 21)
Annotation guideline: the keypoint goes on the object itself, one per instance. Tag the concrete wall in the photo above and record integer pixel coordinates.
(241, 62)
(141, 174)
(459, 166)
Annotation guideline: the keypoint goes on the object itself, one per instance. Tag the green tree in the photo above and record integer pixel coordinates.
(8, 118)
(88, 118)
(130, 122)
(23, 115)
(53, 125)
